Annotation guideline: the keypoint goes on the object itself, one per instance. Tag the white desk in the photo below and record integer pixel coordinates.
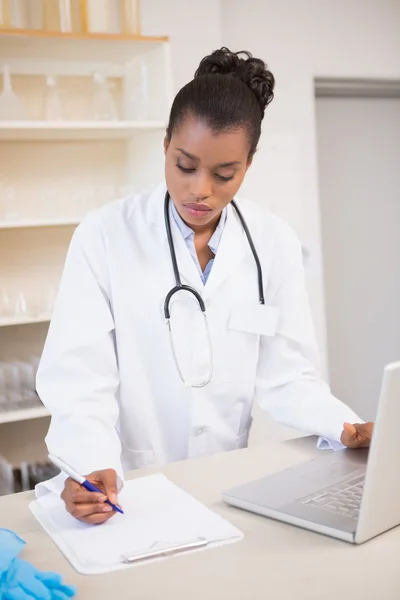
(274, 560)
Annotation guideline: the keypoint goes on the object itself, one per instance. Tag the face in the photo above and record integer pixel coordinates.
(204, 170)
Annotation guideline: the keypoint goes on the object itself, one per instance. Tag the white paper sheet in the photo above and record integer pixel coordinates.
(156, 512)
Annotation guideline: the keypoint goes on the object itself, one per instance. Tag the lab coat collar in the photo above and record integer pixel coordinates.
(155, 217)
(155, 208)
(231, 249)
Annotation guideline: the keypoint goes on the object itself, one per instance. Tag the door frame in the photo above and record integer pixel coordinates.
(333, 87)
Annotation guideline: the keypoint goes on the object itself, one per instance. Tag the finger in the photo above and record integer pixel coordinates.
(364, 433)
(54, 583)
(63, 592)
(35, 588)
(71, 486)
(82, 496)
(18, 593)
(365, 430)
(109, 479)
(99, 518)
(349, 436)
(350, 430)
(84, 510)
(50, 579)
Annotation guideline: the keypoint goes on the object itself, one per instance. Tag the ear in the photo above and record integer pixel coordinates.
(166, 143)
(249, 162)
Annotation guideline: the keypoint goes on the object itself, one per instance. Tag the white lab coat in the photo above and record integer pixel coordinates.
(107, 372)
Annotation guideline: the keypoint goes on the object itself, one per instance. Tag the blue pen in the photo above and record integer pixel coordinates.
(80, 479)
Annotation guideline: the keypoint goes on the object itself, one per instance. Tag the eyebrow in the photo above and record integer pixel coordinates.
(220, 166)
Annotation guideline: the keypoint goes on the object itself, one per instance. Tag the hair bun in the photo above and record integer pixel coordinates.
(252, 71)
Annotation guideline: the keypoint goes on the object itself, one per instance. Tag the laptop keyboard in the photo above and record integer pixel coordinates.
(343, 499)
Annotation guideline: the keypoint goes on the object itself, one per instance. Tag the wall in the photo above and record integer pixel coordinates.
(302, 40)
(194, 30)
(360, 216)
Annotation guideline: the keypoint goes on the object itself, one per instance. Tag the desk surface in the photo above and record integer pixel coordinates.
(273, 560)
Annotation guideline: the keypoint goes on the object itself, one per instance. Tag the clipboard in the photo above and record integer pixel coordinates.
(161, 520)
(163, 550)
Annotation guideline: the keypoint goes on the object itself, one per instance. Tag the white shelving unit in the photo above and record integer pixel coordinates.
(24, 320)
(75, 130)
(25, 414)
(47, 168)
(22, 223)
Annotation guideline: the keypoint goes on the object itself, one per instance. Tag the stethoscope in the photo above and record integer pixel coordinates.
(180, 287)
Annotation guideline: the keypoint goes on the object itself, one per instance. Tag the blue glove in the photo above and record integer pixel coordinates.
(19, 580)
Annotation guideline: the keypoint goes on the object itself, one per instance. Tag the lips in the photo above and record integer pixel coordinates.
(197, 210)
(200, 207)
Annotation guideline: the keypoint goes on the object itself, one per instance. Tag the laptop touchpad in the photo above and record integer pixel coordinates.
(332, 471)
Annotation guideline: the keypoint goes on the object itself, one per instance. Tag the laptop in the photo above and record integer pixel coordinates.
(352, 495)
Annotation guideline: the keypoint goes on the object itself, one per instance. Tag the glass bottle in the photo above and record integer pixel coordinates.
(18, 14)
(130, 15)
(103, 105)
(5, 14)
(62, 15)
(53, 108)
(11, 108)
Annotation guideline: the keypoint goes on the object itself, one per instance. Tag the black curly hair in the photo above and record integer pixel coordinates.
(230, 90)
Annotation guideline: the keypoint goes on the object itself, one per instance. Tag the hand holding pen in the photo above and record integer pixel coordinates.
(91, 499)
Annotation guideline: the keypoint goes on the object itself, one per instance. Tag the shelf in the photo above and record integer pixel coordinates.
(27, 320)
(25, 414)
(87, 36)
(74, 130)
(24, 223)
(86, 47)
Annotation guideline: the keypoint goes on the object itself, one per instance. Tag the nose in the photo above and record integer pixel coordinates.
(201, 186)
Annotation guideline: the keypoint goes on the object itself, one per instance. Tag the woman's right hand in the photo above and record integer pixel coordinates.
(90, 507)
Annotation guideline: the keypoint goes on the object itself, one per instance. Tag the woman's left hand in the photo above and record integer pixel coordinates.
(357, 435)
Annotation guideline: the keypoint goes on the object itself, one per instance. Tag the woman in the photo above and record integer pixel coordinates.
(120, 396)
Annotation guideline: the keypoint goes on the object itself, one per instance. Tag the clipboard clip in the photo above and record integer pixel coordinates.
(157, 550)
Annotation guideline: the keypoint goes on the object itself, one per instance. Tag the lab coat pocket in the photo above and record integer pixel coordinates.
(238, 357)
(247, 322)
(254, 318)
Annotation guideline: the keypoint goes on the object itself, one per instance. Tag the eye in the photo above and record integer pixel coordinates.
(185, 169)
(222, 178)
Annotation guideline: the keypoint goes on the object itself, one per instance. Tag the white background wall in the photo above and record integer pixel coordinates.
(193, 27)
(359, 150)
(302, 40)
(299, 41)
